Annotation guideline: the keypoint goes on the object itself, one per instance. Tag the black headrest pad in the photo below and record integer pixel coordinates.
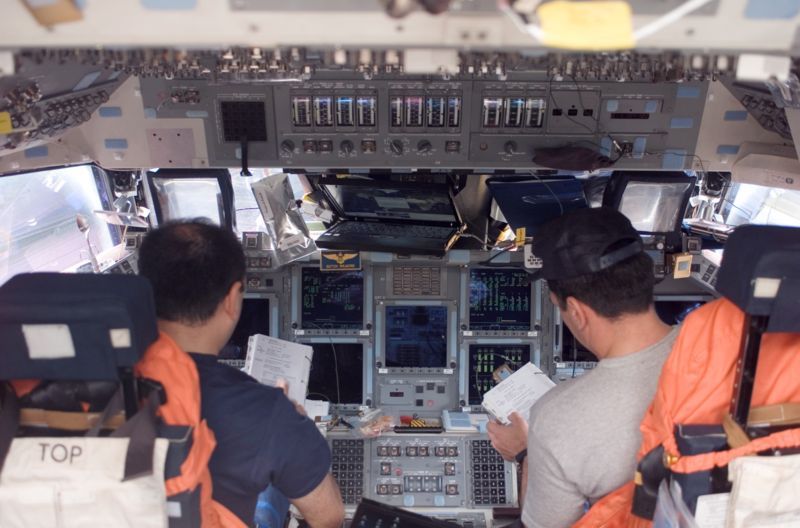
(754, 253)
(97, 309)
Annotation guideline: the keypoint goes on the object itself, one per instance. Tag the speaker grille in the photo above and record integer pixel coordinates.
(244, 119)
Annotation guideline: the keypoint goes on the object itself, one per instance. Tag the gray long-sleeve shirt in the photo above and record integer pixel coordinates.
(584, 435)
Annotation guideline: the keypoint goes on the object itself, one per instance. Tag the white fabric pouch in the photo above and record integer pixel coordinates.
(765, 493)
(71, 482)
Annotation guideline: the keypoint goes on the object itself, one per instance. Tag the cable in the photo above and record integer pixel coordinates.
(493, 354)
(484, 245)
(574, 354)
(668, 19)
(599, 131)
(335, 362)
(503, 250)
(521, 23)
(558, 200)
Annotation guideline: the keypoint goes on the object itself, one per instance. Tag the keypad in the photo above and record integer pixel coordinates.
(347, 467)
(488, 474)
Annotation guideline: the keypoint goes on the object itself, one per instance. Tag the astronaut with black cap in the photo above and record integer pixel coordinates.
(584, 433)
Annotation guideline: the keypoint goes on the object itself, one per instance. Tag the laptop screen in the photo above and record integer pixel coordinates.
(420, 204)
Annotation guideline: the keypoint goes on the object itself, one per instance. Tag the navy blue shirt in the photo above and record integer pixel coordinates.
(261, 439)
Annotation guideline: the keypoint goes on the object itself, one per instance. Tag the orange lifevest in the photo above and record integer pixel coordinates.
(165, 362)
(695, 388)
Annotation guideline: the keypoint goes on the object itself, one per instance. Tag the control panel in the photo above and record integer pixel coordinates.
(344, 120)
(446, 471)
(417, 336)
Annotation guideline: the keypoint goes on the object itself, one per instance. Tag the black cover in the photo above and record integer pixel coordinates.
(764, 251)
(91, 305)
(222, 176)
(572, 158)
(532, 202)
(373, 514)
(696, 440)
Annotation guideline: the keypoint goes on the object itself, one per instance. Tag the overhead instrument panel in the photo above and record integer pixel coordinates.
(338, 119)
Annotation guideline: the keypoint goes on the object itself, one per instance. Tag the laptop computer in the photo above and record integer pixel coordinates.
(393, 216)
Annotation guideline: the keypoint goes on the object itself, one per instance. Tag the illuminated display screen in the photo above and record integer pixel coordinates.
(484, 359)
(254, 320)
(416, 336)
(499, 299)
(336, 372)
(332, 299)
(674, 312)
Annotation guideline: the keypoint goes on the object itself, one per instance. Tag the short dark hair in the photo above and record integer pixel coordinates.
(625, 288)
(191, 265)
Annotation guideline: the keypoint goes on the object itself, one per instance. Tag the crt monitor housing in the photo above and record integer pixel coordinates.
(499, 300)
(331, 300)
(337, 373)
(485, 358)
(192, 193)
(255, 319)
(674, 309)
(416, 336)
(654, 203)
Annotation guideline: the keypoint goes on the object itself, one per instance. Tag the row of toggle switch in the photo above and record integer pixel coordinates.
(417, 451)
(368, 146)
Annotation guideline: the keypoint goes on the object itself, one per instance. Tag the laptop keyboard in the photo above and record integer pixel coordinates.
(393, 230)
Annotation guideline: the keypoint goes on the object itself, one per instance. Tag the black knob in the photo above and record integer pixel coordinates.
(287, 146)
(510, 147)
(396, 147)
(452, 364)
(424, 146)
(346, 147)
(378, 364)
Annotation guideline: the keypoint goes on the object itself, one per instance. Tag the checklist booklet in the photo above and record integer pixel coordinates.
(269, 359)
(518, 392)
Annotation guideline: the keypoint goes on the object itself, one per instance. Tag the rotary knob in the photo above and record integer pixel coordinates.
(346, 147)
(510, 147)
(396, 147)
(287, 147)
(424, 146)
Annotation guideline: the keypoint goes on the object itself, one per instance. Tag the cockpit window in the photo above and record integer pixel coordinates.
(757, 204)
(248, 216)
(39, 214)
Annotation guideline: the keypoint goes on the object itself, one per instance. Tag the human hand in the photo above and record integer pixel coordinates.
(510, 439)
(284, 386)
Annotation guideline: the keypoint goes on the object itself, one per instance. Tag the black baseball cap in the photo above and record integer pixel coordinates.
(584, 241)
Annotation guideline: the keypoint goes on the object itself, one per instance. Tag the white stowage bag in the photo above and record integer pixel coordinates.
(671, 511)
(765, 493)
(77, 482)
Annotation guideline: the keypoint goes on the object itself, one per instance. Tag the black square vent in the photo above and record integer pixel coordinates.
(244, 119)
